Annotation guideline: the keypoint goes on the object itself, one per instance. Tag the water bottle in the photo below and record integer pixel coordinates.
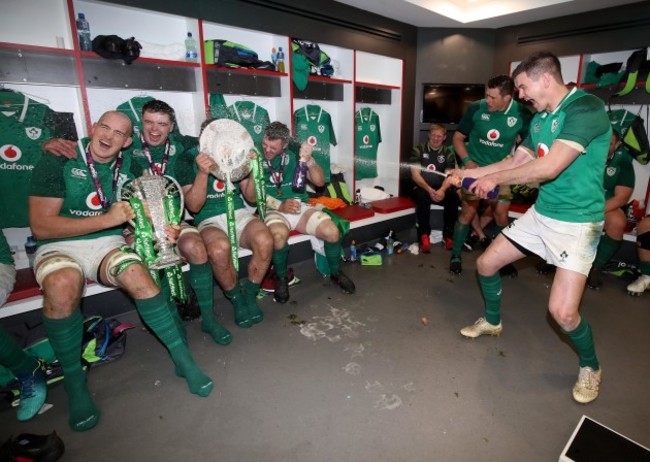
(353, 251)
(83, 31)
(191, 50)
(389, 245)
(280, 64)
(300, 177)
(467, 182)
(30, 250)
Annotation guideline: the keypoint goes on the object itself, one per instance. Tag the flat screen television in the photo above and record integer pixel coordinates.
(445, 103)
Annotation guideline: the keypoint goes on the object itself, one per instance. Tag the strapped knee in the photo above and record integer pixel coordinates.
(314, 221)
(53, 262)
(119, 261)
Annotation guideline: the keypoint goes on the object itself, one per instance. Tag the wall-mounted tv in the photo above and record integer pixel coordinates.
(445, 103)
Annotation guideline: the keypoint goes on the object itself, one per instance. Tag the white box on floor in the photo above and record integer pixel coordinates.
(593, 442)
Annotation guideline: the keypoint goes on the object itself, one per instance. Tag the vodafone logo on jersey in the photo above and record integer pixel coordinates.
(493, 135)
(366, 139)
(10, 153)
(542, 150)
(431, 168)
(312, 140)
(93, 202)
(219, 186)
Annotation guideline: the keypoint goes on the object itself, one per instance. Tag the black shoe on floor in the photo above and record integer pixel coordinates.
(545, 268)
(29, 447)
(343, 282)
(455, 265)
(509, 271)
(485, 242)
(595, 278)
(281, 294)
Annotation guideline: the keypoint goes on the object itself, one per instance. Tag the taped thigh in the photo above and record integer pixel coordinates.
(273, 217)
(187, 228)
(55, 261)
(314, 221)
(119, 261)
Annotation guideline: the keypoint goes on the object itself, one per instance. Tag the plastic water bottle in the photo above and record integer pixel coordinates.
(191, 50)
(389, 244)
(300, 177)
(353, 251)
(30, 250)
(83, 31)
(280, 65)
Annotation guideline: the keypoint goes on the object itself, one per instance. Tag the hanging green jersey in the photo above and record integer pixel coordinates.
(133, 110)
(253, 118)
(215, 202)
(218, 106)
(278, 176)
(24, 126)
(314, 125)
(576, 194)
(619, 171)
(5, 251)
(70, 180)
(368, 137)
(492, 135)
(164, 157)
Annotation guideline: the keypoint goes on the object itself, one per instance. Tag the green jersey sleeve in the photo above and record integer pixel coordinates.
(185, 173)
(467, 121)
(584, 121)
(47, 177)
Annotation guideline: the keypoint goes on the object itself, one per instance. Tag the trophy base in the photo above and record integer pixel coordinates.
(166, 261)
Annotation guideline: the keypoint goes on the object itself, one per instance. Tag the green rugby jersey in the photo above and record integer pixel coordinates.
(368, 137)
(279, 176)
(253, 118)
(619, 171)
(215, 202)
(576, 195)
(492, 135)
(177, 146)
(70, 180)
(314, 125)
(24, 126)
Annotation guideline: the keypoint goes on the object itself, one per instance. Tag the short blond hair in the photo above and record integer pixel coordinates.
(440, 127)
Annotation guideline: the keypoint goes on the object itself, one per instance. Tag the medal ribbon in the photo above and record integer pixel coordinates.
(103, 200)
(277, 177)
(153, 169)
(258, 182)
(232, 224)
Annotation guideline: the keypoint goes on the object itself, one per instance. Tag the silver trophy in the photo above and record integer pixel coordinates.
(160, 195)
(228, 143)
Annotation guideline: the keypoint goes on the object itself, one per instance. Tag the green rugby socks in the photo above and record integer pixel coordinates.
(201, 280)
(66, 337)
(582, 339)
(237, 298)
(155, 313)
(251, 290)
(460, 235)
(491, 288)
(280, 259)
(607, 247)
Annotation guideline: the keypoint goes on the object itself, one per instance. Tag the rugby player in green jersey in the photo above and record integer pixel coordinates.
(78, 223)
(565, 152)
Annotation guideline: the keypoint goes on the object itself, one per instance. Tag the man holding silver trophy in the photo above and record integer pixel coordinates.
(220, 215)
(156, 151)
(288, 208)
(78, 223)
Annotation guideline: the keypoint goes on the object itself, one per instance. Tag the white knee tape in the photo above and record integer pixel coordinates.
(118, 262)
(55, 262)
(272, 218)
(314, 220)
